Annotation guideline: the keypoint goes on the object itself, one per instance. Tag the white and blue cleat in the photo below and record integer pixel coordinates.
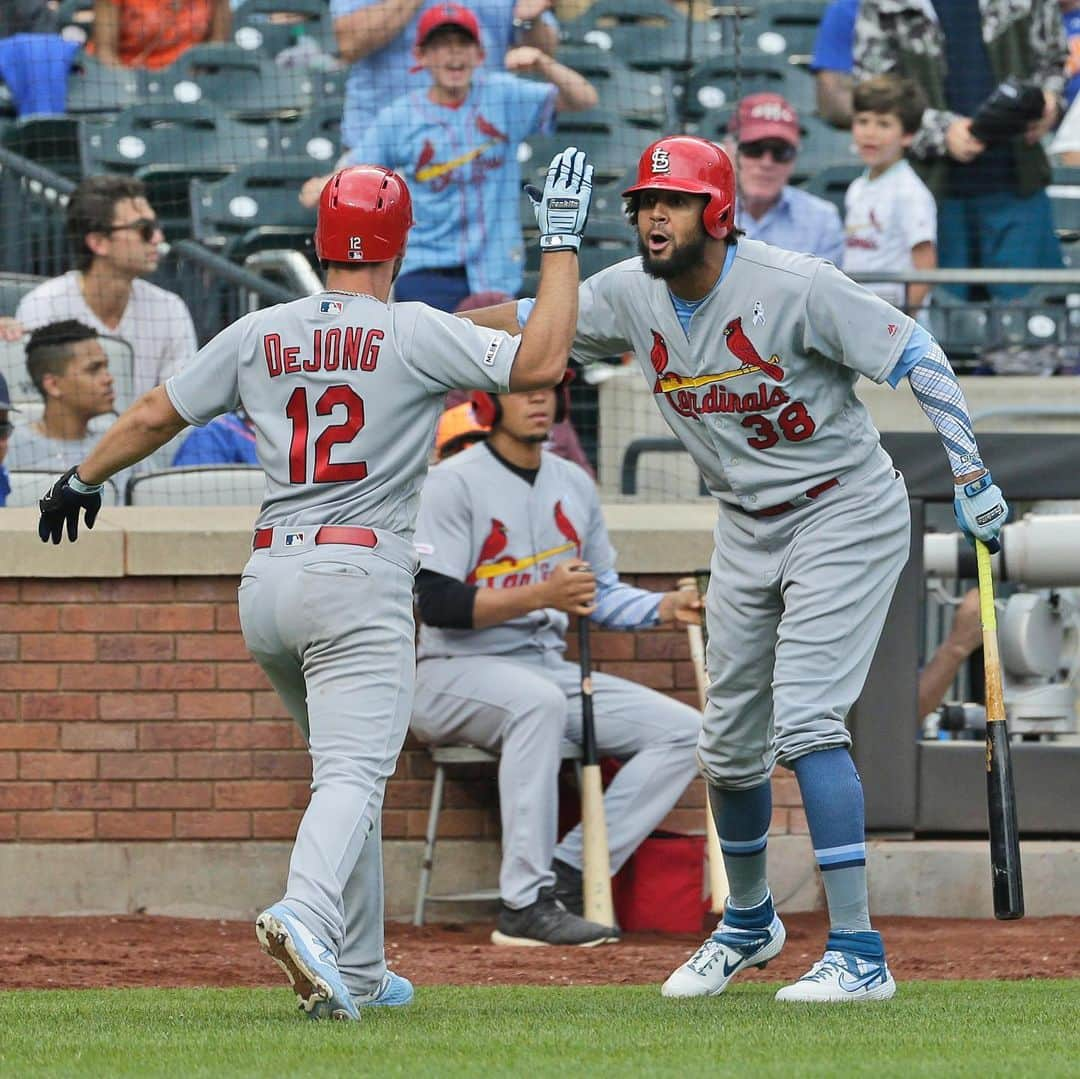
(393, 991)
(852, 969)
(308, 962)
(726, 951)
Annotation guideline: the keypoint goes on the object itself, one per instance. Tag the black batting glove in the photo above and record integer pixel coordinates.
(61, 505)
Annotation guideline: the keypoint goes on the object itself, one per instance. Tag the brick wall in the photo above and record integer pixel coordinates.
(130, 710)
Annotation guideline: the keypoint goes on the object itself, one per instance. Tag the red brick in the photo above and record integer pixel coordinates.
(654, 674)
(93, 796)
(71, 590)
(779, 823)
(138, 590)
(281, 763)
(416, 794)
(611, 646)
(62, 647)
(29, 676)
(175, 618)
(176, 675)
(9, 591)
(174, 794)
(227, 619)
(214, 824)
(266, 705)
(134, 648)
(29, 736)
(220, 764)
(254, 734)
(241, 676)
(59, 706)
(97, 618)
(186, 736)
(9, 647)
(213, 705)
(18, 618)
(797, 824)
(206, 590)
(110, 676)
(395, 824)
(8, 710)
(57, 765)
(136, 765)
(8, 829)
(8, 765)
(785, 791)
(453, 823)
(97, 736)
(419, 766)
(276, 823)
(219, 647)
(253, 794)
(69, 824)
(26, 795)
(661, 645)
(301, 794)
(137, 706)
(135, 824)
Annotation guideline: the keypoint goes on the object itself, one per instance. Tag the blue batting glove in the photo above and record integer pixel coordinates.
(981, 510)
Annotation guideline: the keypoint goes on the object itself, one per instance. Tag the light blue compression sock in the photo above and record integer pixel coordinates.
(833, 799)
(742, 822)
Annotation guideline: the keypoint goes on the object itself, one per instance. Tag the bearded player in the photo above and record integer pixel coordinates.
(752, 354)
(344, 391)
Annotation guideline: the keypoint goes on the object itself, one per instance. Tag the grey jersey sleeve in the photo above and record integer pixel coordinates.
(850, 325)
(599, 334)
(209, 385)
(443, 536)
(453, 353)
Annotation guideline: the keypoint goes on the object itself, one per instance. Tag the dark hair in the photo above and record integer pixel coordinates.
(892, 95)
(48, 351)
(632, 203)
(90, 209)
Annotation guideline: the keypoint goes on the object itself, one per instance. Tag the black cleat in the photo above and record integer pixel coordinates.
(547, 921)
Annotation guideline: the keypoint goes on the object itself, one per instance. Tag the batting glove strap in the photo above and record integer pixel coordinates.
(62, 505)
(559, 242)
(981, 510)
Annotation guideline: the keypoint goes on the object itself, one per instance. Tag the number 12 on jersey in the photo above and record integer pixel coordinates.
(325, 470)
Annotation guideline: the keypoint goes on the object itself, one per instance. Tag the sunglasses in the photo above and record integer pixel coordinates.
(5, 430)
(145, 226)
(781, 152)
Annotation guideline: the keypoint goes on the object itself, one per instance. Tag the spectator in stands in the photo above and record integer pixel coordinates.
(964, 639)
(70, 370)
(376, 37)
(1070, 15)
(458, 429)
(116, 239)
(890, 220)
(227, 440)
(993, 210)
(153, 33)
(456, 143)
(764, 143)
(832, 61)
(6, 407)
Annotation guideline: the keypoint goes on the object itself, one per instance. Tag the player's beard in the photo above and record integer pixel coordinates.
(684, 258)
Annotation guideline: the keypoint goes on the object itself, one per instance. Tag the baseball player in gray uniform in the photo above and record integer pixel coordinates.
(752, 354)
(511, 540)
(345, 392)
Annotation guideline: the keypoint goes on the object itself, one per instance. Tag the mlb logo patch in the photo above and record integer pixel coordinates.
(293, 538)
(331, 307)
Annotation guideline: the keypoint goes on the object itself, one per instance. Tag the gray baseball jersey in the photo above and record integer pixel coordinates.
(482, 524)
(345, 392)
(761, 392)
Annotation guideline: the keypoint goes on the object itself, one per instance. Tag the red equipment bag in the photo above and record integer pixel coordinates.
(661, 888)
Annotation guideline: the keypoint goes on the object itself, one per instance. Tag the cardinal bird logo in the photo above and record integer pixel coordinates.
(427, 155)
(566, 527)
(485, 127)
(493, 546)
(742, 348)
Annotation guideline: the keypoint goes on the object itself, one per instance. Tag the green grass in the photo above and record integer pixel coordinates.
(932, 1028)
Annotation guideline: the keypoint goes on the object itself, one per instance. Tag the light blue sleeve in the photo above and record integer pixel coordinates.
(524, 309)
(528, 106)
(347, 7)
(621, 606)
(378, 145)
(918, 346)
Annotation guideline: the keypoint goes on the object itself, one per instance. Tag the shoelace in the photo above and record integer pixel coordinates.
(823, 968)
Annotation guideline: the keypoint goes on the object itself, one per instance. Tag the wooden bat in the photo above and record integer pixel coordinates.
(718, 885)
(596, 870)
(1005, 872)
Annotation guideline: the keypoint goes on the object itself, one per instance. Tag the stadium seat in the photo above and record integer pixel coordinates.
(720, 81)
(13, 287)
(97, 88)
(1064, 194)
(243, 84)
(236, 212)
(215, 485)
(27, 487)
(315, 136)
(824, 147)
(787, 29)
(75, 19)
(49, 141)
(832, 183)
(13, 368)
(271, 26)
(961, 327)
(613, 144)
(639, 96)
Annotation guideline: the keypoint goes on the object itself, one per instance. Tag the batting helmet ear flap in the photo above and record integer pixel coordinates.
(562, 396)
(486, 407)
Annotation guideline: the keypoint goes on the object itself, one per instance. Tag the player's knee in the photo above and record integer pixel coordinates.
(540, 703)
(733, 767)
(792, 745)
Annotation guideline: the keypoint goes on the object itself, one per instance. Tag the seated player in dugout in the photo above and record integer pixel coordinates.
(511, 541)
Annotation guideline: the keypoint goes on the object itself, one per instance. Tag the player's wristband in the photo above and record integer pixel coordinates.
(81, 488)
(559, 241)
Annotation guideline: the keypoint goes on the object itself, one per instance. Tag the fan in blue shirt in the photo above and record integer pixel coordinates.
(228, 440)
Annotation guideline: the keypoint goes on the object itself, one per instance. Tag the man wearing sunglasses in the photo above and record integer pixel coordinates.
(116, 240)
(764, 143)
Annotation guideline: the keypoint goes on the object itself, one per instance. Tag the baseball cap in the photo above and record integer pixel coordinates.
(5, 397)
(765, 116)
(446, 15)
(458, 426)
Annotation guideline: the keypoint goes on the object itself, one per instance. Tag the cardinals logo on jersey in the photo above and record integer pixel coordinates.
(428, 170)
(493, 546)
(566, 527)
(493, 563)
(742, 348)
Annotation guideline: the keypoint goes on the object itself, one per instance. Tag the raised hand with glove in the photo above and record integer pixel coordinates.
(62, 504)
(981, 510)
(562, 208)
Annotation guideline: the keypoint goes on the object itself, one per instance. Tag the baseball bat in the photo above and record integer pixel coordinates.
(1005, 873)
(596, 870)
(718, 885)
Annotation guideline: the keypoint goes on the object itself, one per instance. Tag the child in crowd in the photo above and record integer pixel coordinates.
(890, 217)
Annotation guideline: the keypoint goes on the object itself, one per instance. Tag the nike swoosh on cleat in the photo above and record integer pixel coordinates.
(729, 970)
(853, 985)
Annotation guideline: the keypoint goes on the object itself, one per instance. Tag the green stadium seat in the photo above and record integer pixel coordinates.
(270, 26)
(613, 145)
(49, 141)
(832, 183)
(788, 29)
(719, 81)
(960, 327)
(97, 88)
(1064, 194)
(75, 20)
(315, 136)
(641, 97)
(13, 287)
(824, 146)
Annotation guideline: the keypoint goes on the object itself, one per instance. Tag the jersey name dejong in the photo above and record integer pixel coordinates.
(350, 349)
(718, 399)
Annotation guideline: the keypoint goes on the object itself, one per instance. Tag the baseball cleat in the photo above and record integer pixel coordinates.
(854, 972)
(547, 921)
(308, 962)
(393, 991)
(729, 950)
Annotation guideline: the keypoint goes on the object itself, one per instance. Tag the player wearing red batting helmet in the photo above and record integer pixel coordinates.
(365, 213)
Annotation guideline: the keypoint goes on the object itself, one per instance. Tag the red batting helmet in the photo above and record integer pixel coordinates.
(695, 166)
(488, 409)
(365, 213)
